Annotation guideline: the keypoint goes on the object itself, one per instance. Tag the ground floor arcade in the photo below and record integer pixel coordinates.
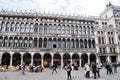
(46, 59)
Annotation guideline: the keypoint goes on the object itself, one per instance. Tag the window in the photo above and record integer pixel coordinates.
(12, 27)
(17, 27)
(7, 27)
(27, 28)
(31, 28)
(22, 27)
(2, 26)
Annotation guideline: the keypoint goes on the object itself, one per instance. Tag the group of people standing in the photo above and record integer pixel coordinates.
(94, 67)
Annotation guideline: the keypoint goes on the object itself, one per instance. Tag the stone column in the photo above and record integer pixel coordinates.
(108, 59)
(88, 58)
(41, 60)
(0, 57)
(80, 62)
(61, 61)
(52, 59)
(31, 59)
(22, 57)
(11, 59)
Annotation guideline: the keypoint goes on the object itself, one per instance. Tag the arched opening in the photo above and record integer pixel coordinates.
(57, 59)
(16, 59)
(47, 59)
(66, 59)
(37, 59)
(75, 58)
(27, 58)
(92, 58)
(6, 59)
(84, 59)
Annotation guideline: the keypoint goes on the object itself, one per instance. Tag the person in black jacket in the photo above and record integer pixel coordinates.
(69, 72)
(94, 69)
(54, 68)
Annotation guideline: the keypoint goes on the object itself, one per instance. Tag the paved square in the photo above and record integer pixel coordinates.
(61, 75)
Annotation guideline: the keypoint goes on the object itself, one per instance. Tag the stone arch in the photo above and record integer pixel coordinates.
(66, 59)
(47, 59)
(92, 58)
(16, 59)
(37, 59)
(6, 59)
(76, 58)
(57, 59)
(27, 58)
(84, 59)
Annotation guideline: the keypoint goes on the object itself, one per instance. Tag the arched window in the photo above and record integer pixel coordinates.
(76, 29)
(3, 26)
(93, 43)
(81, 43)
(25, 42)
(68, 43)
(88, 30)
(63, 43)
(17, 27)
(68, 29)
(85, 43)
(36, 28)
(50, 43)
(72, 43)
(15, 42)
(40, 42)
(20, 42)
(45, 43)
(30, 42)
(10, 42)
(5, 42)
(92, 30)
(27, 28)
(22, 27)
(59, 42)
(77, 43)
(31, 28)
(89, 43)
(35, 42)
(41, 28)
(59, 29)
(12, 27)
(7, 27)
(72, 29)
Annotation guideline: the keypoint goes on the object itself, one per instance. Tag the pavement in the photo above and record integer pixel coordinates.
(61, 75)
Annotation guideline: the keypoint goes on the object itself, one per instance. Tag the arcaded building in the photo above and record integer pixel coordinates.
(45, 39)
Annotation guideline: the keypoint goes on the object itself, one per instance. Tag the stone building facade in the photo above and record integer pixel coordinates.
(45, 39)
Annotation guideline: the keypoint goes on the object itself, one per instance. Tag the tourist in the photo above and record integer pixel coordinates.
(87, 70)
(94, 67)
(54, 68)
(69, 72)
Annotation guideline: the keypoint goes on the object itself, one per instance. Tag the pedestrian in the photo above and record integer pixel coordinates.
(87, 70)
(115, 67)
(94, 67)
(98, 69)
(23, 68)
(111, 68)
(107, 68)
(69, 72)
(54, 68)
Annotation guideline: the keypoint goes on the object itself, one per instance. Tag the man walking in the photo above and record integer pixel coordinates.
(69, 72)
(94, 67)
(54, 68)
